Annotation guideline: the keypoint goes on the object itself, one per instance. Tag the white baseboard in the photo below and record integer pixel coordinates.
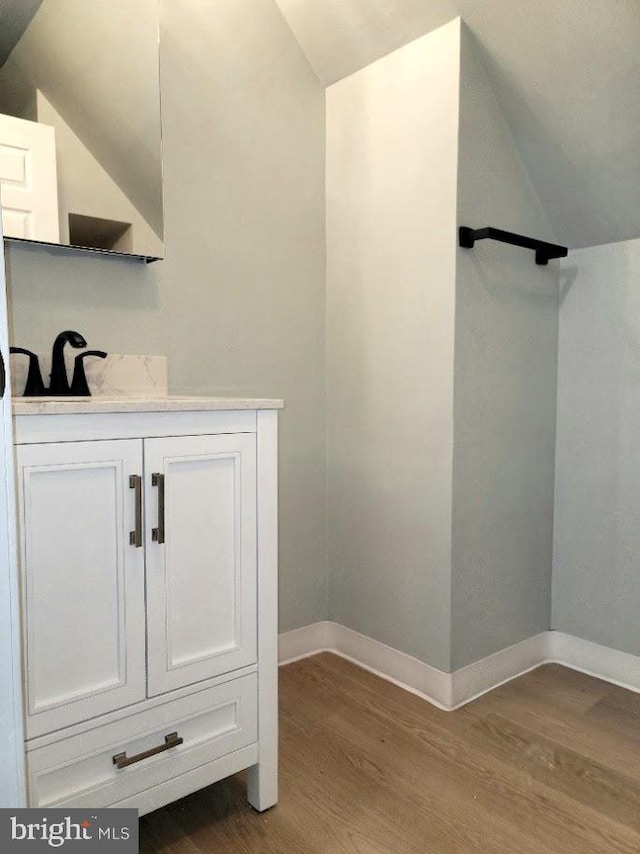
(306, 641)
(394, 666)
(486, 674)
(391, 664)
(452, 690)
(603, 662)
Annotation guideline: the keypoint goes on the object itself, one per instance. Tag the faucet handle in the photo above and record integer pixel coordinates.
(79, 386)
(34, 386)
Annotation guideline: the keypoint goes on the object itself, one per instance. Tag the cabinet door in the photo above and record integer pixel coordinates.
(83, 581)
(201, 581)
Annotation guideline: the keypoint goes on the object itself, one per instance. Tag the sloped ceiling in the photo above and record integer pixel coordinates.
(15, 16)
(567, 73)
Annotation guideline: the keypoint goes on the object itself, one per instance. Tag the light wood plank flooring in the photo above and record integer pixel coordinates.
(547, 764)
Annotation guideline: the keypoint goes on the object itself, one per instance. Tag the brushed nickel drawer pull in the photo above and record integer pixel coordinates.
(171, 740)
(157, 534)
(135, 537)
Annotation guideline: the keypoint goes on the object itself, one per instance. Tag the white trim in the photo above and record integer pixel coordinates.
(391, 664)
(397, 667)
(262, 779)
(451, 690)
(611, 665)
(486, 674)
(12, 762)
(306, 641)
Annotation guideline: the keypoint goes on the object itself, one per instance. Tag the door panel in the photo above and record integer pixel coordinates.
(28, 180)
(201, 582)
(83, 581)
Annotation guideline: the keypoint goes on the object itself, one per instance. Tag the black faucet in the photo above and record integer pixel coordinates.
(60, 386)
(59, 380)
(35, 385)
(79, 386)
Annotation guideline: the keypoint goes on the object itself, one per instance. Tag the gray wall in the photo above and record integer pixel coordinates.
(596, 585)
(238, 305)
(239, 308)
(441, 382)
(391, 191)
(504, 391)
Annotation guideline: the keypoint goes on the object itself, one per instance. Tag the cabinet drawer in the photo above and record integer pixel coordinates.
(80, 771)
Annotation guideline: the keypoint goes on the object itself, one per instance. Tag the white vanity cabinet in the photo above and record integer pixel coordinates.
(148, 575)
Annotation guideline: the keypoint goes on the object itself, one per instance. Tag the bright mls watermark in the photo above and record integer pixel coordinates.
(103, 830)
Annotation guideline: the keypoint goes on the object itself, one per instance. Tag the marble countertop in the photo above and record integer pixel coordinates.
(165, 403)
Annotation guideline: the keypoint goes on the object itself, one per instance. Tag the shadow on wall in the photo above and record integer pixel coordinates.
(567, 278)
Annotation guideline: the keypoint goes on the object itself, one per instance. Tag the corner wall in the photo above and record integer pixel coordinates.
(504, 390)
(596, 583)
(392, 131)
(238, 305)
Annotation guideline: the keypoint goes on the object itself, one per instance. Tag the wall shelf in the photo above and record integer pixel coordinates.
(64, 248)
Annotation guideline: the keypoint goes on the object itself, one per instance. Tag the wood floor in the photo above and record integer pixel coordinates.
(547, 764)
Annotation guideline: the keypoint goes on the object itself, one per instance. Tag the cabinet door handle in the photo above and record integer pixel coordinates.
(3, 376)
(171, 740)
(157, 534)
(135, 537)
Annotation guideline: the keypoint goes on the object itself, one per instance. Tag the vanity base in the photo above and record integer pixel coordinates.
(148, 547)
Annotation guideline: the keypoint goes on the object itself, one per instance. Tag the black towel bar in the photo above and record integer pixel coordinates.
(544, 251)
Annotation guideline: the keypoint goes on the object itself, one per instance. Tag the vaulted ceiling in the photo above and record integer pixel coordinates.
(15, 16)
(567, 73)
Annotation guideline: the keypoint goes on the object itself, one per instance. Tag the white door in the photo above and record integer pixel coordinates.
(12, 790)
(28, 182)
(82, 579)
(201, 557)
